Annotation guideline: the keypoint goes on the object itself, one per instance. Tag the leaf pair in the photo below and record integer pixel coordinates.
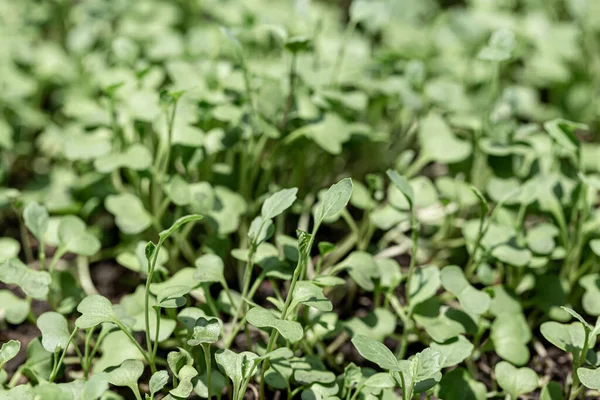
(416, 375)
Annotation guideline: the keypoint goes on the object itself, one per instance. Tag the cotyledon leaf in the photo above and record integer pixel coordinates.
(55, 331)
(516, 381)
(8, 351)
(34, 283)
(472, 300)
(95, 309)
(263, 318)
(454, 351)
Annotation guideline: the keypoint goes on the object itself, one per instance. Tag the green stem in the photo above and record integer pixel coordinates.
(290, 99)
(42, 255)
(62, 357)
(413, 257)
(156, 333)
(57, 255)
(24, 237)
(302, 261)
(146, 355)
(85, 278)
(86, 353)
(206, 348)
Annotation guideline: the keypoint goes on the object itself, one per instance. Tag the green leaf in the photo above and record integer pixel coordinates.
(178, 224)
(172, 296)
(263, 318)
(378, 324)
(95, 386)
(425, 284)
(130, 215)
(209, 268)
(236, 367)
(311, 295)
(185, 387)
(458, 384)
(512, 255)
(440, 322)
(540, 238)
(552, 391)
(402, 184)
(278, 202)
(591, 297)
(8, 351)
(438, 143)
(334, 200)
(375, 351)
(94, 309)
(425, 369)
(567, 337)
(578, 317)
(178, 359)
(73, 236)
(453, 352)
(13, 308)
(563, 133)
(390, 275)
(9, 248)
(380, 380)
(516, 381)
(472, 300)
(362, 268)
(205, 331)
(500, 46)
(34, 283)
(590, 378)
(297, 44)
(260, 230)
(39, 361)
(420, 373)
(36, 217)
(510, 334)
(183, 277)
(55, 331)
(127, 374)
(137, 157)
(179, 191)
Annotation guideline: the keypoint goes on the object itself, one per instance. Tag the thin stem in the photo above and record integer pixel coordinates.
(57, 255)
(62, 357)
(206, 348)
(16, 377)
(24, 237)
(413, 257)
(86, 352)
(246, 285)
(42, 255)
(147, 305)
(146, 355)
(290, 99)
(302, 261)
(85, 278)
(156, 333)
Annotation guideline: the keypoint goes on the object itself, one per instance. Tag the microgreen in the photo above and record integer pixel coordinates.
(309, 200)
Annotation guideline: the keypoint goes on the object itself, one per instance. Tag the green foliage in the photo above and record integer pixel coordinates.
(304, 199)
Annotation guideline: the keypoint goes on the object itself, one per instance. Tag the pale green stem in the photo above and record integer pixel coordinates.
(206, 348)
(62, 357)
